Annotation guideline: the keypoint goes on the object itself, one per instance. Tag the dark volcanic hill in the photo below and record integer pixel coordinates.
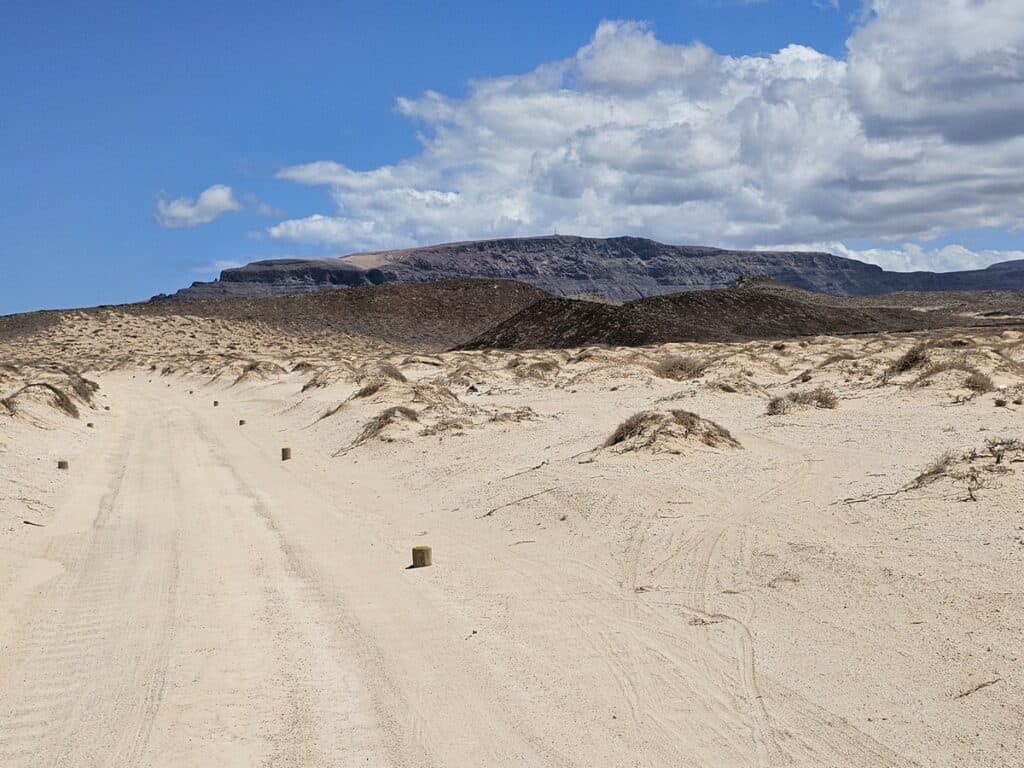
(436, 316)
(751, 309)
(619, 268)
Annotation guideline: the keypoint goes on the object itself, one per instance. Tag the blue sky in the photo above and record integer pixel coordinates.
(694, 121)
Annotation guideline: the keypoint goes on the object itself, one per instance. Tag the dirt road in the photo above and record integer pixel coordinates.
(198, 602)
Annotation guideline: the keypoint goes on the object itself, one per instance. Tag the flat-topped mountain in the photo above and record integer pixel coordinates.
(619, 268)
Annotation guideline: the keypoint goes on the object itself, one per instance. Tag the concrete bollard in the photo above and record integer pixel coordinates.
(62, 464)
(241, 422)
(286, 453)
(422, 556)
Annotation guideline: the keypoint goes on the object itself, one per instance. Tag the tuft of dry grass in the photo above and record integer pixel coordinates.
(391, 371)
(81, 386)
(631, 427)
(915, 357)
(679, 367)
(980, 382)
(522, 413)
(378, 423)
(453, 424)
(819, 397)
(934, 369)
(837, 357)
(539, 369)
(940, 467)
(646, 428)
(368, 390)
(58, 397)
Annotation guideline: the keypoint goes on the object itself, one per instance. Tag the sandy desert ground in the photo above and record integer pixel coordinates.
(834, 583)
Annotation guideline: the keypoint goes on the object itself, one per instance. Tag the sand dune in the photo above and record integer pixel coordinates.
(831, 581)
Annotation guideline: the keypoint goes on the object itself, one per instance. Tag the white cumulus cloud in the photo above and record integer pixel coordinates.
(184, 212)
(917, 132)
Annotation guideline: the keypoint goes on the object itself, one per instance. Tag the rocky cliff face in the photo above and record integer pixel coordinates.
(619, 268)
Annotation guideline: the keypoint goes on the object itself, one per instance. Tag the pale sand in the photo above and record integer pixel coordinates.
(188, 599)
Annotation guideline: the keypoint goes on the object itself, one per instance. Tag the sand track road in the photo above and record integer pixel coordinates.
(195, 601)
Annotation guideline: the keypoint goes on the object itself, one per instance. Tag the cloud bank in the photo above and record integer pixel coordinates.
(918, 131)
(184, 212)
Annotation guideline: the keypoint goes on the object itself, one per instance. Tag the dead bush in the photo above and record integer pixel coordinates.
(631, 427)
(390, 371)
(819, 397)
(913, 358)
(940, 467)
(645, 429)
(1000, 447)
(679, 367)
(378, 423)
(979, 382)
(58, 397)
(369, 389)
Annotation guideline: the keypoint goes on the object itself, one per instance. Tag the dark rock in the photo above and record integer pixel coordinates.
(618, 268)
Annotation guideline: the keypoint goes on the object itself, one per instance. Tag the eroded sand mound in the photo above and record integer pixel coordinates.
(668, 432)
(27, 389)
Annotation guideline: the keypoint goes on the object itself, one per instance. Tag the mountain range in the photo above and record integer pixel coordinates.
(617, 268)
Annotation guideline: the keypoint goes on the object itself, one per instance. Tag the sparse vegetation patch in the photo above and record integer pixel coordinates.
(819, 397)
(679, 367)
(664, 430)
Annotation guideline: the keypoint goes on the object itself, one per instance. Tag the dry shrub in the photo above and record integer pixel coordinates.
(837, 357)
(1000, 447)
(369, 389)
(259, 369)
(331, 411)
(81, 386)
(645, 429)
(971, 468)
(378, 423)
(58, 397)
(588, 353)
(447, 424)
(679, 367)
(934, 369)
(979, 382)
(434, 395)
(423, 360)
(523, 413)
(389, 371)
(819, 397)
(940, 467)
(913, 358)
(465, 375)
(320, 379)
(539, 369)
(631, 427)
